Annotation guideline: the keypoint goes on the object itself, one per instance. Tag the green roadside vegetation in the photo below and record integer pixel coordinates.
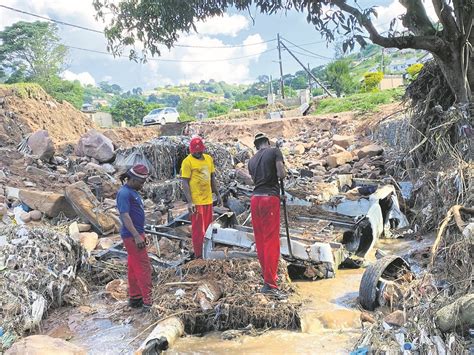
(354, 78)
(362, 102)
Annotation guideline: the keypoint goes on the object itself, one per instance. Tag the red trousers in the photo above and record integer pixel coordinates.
(139, 272)
(266, 227)
(199, 223)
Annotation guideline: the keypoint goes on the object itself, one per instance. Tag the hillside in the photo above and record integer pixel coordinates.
(27, 108)
(208, 99)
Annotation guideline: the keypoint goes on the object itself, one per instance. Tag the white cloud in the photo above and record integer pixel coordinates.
(84, 66)
(218, 63)
(228, 25)
(385, 14)
(85, 78)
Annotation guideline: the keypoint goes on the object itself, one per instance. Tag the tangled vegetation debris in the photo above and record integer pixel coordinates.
(425, 324)
(188, 291)
(38, 267)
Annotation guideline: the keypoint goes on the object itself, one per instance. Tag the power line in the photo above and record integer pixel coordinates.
(307, 55)
(174, 60)
(102, 32)
(304, 49)
(52, 20)
(227, 46)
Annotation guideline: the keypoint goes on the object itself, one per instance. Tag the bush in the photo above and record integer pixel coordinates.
(217, 109)
(365, 102)
(413, 70)
(184, 117)
(64, 90)
(371, 81)
(252, 102)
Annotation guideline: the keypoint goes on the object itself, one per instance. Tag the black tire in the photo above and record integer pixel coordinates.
(368, 285)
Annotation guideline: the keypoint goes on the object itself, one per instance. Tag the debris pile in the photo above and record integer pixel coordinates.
(432, 311)
(38, 268)
(211, 295)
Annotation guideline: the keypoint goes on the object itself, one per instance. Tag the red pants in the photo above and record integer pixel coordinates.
(266, 227)
(199, 223)
(139, 272)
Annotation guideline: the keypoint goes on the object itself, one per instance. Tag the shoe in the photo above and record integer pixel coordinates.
(146, 307)
(135, 302)
(273, 292)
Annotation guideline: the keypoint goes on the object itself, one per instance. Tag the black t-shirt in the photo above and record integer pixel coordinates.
(262, 168)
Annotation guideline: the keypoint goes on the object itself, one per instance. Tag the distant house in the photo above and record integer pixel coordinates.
(100, 103)
(400, 65)
(102, 119)
(88, 108)
(391, 82)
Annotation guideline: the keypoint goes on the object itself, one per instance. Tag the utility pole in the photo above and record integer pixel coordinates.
(382, 64)
(281, 67)
(271, 85)
(309, 80)
(308, 71)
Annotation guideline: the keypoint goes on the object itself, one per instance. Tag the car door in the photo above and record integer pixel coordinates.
(154, 115)
(169, 115)
(175, 115)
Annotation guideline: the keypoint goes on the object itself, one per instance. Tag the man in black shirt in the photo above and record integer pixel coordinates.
(266, 168)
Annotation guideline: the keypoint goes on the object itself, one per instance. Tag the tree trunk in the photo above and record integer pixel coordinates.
(451, 63)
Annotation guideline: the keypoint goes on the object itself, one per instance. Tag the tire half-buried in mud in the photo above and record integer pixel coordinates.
(387, 267)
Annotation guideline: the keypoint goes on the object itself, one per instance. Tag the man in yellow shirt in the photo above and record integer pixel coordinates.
(199, 182)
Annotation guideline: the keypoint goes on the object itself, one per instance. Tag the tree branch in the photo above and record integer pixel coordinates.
(431, 43)
(445, 15)
(416, 19)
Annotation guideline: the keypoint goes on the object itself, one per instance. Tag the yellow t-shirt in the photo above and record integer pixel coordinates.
(199, 174)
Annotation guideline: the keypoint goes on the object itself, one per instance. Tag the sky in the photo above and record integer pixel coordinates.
(190, 64)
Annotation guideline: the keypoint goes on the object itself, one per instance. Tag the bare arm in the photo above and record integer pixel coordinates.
(281, 170)
(187, 194)
(127, 221)
(215, 188)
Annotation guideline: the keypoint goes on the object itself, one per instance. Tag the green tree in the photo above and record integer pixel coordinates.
(131, 110)
(371, 81)
(339, 78)
(92, 92)
(191, 105)
(134, 22)
(31, 51)
(299, 82)
(65, 90)
(110, 88)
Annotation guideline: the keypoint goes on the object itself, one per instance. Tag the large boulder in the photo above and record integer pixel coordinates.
(88, 208)
(44, 345)
(370, 150)
(335, 160)
(242, 175)
(95, 145)
(41, 145)
(49, 203)
(343, 141)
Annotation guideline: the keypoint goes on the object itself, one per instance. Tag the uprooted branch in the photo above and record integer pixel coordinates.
(455, 212)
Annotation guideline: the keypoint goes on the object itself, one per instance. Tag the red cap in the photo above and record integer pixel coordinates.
(140, 171)
(196, 145)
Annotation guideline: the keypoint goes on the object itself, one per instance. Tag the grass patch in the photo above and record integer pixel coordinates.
(365, 102)
(24, 90)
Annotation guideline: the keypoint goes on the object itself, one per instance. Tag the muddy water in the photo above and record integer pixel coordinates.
(330, 317)
(330, 321)
(330, 324)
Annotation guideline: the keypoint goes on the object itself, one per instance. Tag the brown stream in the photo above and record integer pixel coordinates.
(330, 321)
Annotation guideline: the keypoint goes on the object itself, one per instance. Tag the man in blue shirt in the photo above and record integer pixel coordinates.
(132, 216)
